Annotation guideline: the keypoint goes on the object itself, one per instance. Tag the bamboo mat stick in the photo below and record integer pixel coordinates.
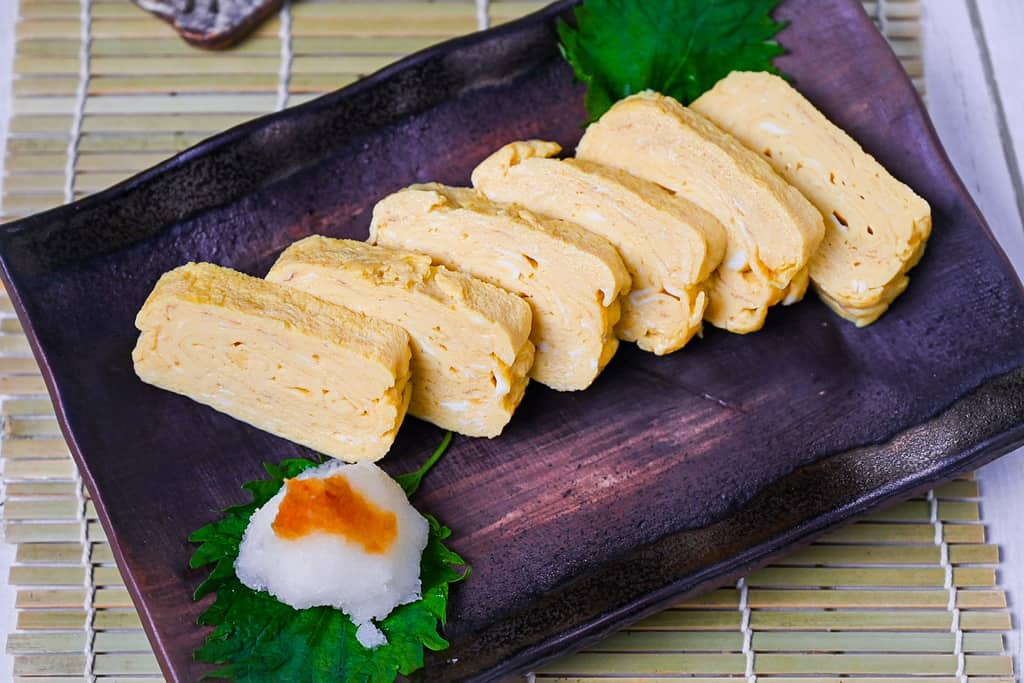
(10, 325)
(166, 103)
(19, 510)
(107, 618)
(50, 553)
(107, 642)
(722, 598)
(206, 124)
(887, 619)
(24, 385)
(865, 598)
(29, 451)
(874, 642)
(38, 489)
(46, 65)
(882, 577)
(692, 620)
(109, 162)
(904, 533)
(29, 106)
(27, 427)
(39, 469)
(394, 12)
(15, 346)
(879, 642)
(27, 86)
(182, 83)
(63, 576)
(168, 46)
(863, 555)
(68, 598)
(31, 163)
(172, 46)
(964, 486)
(165, 142)
(140, 26)
(398, 45)
(769, 663)
(136, 66)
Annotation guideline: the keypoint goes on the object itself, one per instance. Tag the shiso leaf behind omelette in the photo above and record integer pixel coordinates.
(256, 639)
(679, 48)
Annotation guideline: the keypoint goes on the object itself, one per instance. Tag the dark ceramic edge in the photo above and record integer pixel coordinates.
(983, 406)
(962, 460)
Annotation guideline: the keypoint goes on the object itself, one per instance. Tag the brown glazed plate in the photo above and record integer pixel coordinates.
(668, 477)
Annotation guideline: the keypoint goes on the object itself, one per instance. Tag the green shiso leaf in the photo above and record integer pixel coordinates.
(256, 639)
(680, 48)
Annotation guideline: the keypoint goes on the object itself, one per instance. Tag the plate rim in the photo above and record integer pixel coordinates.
(995, 445)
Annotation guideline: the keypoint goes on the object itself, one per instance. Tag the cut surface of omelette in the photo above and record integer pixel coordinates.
(280, 359)
(471, 351)
(669, 245)
(875, 226)
(771, 229)
(571, 278)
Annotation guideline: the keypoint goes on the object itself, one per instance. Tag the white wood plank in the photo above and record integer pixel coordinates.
(8, 13)
(962, 108)
(1001, 23)
(8, 616)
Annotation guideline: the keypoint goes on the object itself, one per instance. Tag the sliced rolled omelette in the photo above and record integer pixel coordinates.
(280, 359)
(876, 227)
(669, 245)
(471, 350)
(771, 229)
(571, 278)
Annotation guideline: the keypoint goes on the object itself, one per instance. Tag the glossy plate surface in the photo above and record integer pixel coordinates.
(669, 476)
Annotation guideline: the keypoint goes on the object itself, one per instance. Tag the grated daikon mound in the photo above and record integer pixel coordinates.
(325, 569)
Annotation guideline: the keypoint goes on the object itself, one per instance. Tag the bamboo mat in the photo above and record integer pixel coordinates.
(103, 91)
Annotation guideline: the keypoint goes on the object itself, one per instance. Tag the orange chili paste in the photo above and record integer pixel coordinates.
(332, 506)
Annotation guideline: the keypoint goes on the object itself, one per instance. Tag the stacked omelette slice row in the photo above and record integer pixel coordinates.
(571, 277)
(471, 350)
(668, 217)
(669, 245)
(771, 229)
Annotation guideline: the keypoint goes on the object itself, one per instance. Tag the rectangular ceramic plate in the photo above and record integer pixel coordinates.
(669, 476)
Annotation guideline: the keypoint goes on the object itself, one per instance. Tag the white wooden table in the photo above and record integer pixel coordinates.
(973, 61)
(973, 58)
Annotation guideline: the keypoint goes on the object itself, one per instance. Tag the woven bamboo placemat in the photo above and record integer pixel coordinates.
(103, 90)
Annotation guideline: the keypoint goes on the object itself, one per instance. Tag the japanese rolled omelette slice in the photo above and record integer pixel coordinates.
(875, 226)
(278, 358)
